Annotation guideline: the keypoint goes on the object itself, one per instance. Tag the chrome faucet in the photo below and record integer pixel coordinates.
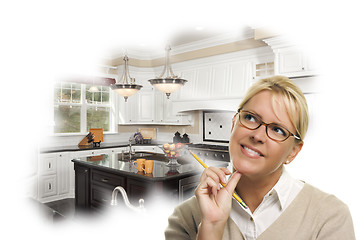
(126, 199)
(130, 149)
(130, 144)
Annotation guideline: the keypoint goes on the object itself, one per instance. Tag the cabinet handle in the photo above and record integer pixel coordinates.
(104, 180)
(303, 68)
(49, 186)
(49, 165)
(104, 200)
(85, 171)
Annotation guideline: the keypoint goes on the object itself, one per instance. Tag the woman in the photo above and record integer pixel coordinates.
(268, 132)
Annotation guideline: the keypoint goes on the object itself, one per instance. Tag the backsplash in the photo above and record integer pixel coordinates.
(217, 125)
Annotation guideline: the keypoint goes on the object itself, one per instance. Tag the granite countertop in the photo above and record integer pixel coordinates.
(114, 163)
(91, 147)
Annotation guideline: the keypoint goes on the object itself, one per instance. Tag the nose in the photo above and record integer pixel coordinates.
(259, 134)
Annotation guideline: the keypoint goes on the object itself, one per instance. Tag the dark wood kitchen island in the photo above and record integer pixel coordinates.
(97, 176)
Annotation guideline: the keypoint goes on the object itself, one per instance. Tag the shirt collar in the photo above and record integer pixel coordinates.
(282, 188)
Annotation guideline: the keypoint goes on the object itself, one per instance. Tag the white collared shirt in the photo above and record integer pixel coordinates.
(271, 207)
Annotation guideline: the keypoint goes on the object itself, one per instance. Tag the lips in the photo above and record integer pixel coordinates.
(251, 152)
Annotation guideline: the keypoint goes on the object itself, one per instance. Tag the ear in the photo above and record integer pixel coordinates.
(295, 150)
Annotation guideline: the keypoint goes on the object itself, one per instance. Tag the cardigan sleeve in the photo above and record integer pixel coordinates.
(336, 221)
(184, 222)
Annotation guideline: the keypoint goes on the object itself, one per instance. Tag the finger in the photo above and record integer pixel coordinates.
(213, 186)
(226, 171)
(219, 174)
(233, 181)
(212, 173)
(207, 187)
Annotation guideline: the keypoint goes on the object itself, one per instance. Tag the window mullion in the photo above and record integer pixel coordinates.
(83, 109)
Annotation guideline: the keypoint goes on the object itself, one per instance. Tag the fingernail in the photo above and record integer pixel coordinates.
(225, 179)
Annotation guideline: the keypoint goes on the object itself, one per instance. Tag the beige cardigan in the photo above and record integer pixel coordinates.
(313, 214)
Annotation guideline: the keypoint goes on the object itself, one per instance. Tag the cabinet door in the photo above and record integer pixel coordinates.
(240, 74)
(146, 106)
(203, 83)
(291, 61)
(189, 90)
(168, 115)
(137, 190)
(82, 186)
(129, 109)
(63, 173)
(220, 81)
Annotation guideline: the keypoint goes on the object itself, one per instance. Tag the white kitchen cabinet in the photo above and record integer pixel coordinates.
(54, 176)
(189, 90)
(240, 77)
(56, 172)
(219, 81)
(220, 78)
(146, 107)
(263, 69)
(203, 82)
(292, 62)
(150, 106)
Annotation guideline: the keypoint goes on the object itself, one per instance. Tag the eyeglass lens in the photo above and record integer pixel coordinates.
(274, 131)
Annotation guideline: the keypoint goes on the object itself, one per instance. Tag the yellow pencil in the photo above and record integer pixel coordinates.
(234, 194)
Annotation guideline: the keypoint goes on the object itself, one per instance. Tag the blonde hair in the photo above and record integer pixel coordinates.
(292, 96)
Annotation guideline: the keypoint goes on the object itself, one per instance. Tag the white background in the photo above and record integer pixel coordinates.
(41, 39)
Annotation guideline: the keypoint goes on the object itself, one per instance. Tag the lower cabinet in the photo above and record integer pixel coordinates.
(101, 187)
(82, 186)
(137, 189)
(94, 187)
(54, 176)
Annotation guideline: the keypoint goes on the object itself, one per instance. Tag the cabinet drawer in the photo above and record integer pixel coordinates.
(100, 196)
(48, 165)
(107, 178)
(48, 186)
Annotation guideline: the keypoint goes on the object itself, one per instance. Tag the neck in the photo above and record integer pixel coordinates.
(253, 189)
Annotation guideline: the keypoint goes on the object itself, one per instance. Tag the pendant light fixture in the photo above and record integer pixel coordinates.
(93, 89)
(126, 88)
(170, 83)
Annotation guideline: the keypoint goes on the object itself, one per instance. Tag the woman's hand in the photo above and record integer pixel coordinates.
(214, 201)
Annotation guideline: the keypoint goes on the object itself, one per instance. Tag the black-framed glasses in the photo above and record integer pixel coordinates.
(274, 131)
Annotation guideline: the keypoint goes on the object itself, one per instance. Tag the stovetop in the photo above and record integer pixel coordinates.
(208, 147)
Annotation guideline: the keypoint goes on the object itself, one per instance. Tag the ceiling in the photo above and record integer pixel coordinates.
(180, 40)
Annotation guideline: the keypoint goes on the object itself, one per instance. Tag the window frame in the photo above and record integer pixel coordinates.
(84, 106)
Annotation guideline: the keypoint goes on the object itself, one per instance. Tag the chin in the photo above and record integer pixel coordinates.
(245, 167)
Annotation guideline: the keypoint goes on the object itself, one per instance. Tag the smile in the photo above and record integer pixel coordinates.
(253, 152)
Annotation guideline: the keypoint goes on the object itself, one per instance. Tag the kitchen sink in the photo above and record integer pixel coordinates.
(125, 157)
(147, 155)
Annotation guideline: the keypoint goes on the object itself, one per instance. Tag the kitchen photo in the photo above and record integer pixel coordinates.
(204, 131)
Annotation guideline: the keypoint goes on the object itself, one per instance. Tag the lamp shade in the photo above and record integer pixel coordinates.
(168, 85)
(126, 90)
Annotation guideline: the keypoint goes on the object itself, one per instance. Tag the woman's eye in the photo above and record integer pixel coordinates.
(250, 117)
(278, 130)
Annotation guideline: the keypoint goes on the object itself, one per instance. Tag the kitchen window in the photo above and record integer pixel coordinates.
(76, 109)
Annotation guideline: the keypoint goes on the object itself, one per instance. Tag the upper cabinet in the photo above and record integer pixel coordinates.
(149, 106)
(221, 76)
(217, 82)
(292, 63)
(290, 60)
